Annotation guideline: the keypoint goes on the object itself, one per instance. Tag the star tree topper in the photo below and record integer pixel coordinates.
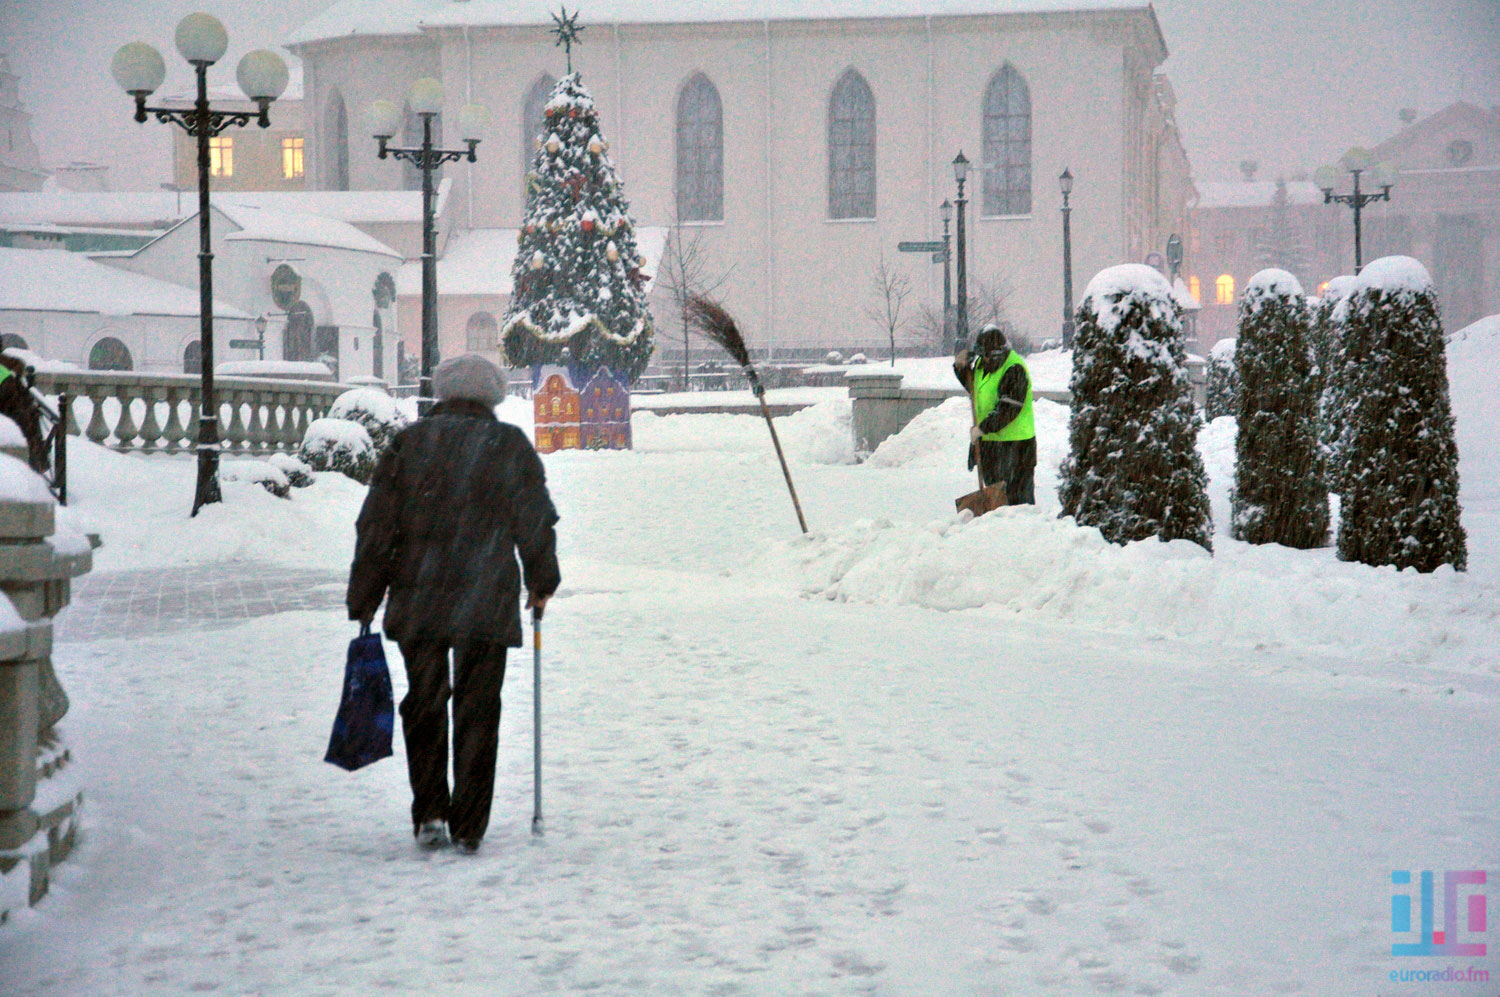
(567, 31)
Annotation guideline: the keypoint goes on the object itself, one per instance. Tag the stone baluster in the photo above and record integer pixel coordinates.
(125, 427)
(232, 428)
(175, 432)
(98, 430)
(151, 433)
(70, 419)
(261, 405)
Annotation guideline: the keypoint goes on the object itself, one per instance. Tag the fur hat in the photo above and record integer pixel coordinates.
(991, 339)
(469, 378)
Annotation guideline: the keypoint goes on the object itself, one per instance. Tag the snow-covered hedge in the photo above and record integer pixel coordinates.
(373, 409)
(260, 472)
(1328, 351)
(340, 445)
(1278, 494)
(1132, 468)
(834, 358)
(298, 474)
(1401, 465)
(1223, 380)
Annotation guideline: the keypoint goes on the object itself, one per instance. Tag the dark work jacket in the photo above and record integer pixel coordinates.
(999, 460)
(453, 501)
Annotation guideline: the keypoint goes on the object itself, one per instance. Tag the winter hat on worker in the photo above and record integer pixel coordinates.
(469, 378)
(991, 339)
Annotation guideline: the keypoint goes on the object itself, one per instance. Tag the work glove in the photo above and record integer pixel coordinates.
(974, 434)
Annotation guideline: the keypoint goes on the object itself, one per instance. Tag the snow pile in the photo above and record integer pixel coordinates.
(39, 363)
(373, 409)
(1474, 386)
(339, 445)
(819, 434)
(270, 477)
(939, 437)
(298, 474)
(11, 437)
(1025, 562)
(19, 483)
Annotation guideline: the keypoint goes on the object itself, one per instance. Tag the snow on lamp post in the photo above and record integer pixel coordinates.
(383, 118)
(961, 174)
(1357, 162)
(262, 75)
(1065, 182)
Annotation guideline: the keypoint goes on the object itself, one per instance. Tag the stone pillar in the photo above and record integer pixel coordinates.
(38, 810)
(875, 400)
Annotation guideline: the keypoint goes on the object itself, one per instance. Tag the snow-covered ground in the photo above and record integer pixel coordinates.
(903, 754)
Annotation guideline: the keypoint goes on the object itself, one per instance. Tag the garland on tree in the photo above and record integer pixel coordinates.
(1278, 495)
(578, 277)
(1133, 468)
(1401, 466)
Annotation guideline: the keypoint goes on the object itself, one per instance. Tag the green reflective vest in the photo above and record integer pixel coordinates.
(987, 395)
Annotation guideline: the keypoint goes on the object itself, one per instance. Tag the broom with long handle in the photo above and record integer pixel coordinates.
(717, 325)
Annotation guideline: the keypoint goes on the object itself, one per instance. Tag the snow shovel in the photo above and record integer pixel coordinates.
(536, 723)
(986, 499)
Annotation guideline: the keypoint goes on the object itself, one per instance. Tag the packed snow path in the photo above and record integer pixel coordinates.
(755, 790)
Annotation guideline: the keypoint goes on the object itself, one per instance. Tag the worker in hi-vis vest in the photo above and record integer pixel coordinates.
(1003, 439)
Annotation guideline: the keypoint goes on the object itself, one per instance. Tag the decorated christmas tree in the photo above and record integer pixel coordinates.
(1278, 494)
(1133, 469)
(578, 278)
(1401, 462)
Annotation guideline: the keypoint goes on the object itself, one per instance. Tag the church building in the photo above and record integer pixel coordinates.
(798, 143)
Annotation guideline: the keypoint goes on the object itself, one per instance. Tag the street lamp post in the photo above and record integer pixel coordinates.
(139, 70)
(961, 174)
(384, 118)
(1357, 162)
(1065, 181)
(947, 213)
(260, 335)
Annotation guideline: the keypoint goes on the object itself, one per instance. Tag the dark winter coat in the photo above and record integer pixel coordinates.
(1011, 461)
(453, 501)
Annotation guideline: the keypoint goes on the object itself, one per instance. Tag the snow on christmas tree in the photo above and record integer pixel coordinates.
(1401, 467)
(1328, 350)
(578, 277)
(1278, 495)
(1223, 380)
(1133, 469)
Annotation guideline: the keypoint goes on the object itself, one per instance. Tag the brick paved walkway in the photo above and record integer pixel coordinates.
(161, 600)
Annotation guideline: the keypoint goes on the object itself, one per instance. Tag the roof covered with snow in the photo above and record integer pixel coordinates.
(1254, 193)
(51, 280)
(478, 262)
(406, 17)
(259, 224)
(160, 209)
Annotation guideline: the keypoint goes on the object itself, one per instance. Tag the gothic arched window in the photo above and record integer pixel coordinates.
(533, 120)
(851, 148)
(1007, 144)
(336, 144)
(700, 152)
(482, 333)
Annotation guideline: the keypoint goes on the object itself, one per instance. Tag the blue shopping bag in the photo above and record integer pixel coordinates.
(362, 729)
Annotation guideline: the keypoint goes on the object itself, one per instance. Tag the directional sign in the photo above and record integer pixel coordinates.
(244, 344)
(919, 247)
(940, 257)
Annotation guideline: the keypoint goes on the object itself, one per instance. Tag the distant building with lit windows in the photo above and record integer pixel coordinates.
(251, 158)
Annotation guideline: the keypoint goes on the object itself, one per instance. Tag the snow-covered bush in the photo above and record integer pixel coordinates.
(373, 409)
(1223, 380)
(834, 358)
(259, 472)
(339, 445)
(1401, 467)
(859, 358)
(1328, 352)
(298, 474)
(1278, 495)
(1132, 468)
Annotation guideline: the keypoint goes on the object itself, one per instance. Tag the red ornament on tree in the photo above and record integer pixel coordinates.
(588, 225)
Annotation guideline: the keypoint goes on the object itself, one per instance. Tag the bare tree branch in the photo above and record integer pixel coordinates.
(686, 273)
(892, 290)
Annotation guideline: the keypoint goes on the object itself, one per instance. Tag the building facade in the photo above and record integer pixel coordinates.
(251, 158)
(20, 163)
(800, 149)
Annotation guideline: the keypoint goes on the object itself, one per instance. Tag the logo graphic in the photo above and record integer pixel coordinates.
(1430, 941)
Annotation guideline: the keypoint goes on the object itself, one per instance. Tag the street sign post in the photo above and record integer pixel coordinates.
(244, 344)
(920, 247)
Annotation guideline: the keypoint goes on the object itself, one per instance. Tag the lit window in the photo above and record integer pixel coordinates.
(1195, 288)
(1224, 290)
(291, 158)
(221, 156)
(1322, 288)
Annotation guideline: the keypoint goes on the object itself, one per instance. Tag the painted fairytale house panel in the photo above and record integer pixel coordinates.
(555, 408)
(606, 412)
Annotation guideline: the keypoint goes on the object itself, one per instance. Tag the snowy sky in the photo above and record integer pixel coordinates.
(1291, 91)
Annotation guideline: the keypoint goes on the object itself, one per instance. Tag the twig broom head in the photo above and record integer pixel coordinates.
(710, 318)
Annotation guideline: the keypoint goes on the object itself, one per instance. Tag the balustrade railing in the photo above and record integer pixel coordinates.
(158, 413)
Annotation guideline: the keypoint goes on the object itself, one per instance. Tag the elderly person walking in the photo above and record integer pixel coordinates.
(455, 499)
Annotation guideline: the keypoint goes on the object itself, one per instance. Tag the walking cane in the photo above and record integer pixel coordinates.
(536, 723)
